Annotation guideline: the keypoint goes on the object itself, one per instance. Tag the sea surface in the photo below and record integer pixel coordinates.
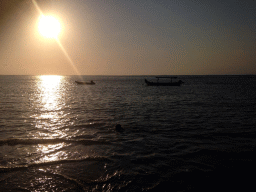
(56, 135)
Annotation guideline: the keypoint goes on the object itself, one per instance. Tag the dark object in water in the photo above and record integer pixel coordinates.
(119, 128)
(85, 83)
(178, 83)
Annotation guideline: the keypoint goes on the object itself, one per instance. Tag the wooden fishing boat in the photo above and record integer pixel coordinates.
(85, 83)
(171, 83)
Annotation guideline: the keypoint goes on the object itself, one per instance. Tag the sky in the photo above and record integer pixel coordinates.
(130, 37)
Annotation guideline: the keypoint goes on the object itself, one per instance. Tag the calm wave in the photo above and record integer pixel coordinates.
(56, 135)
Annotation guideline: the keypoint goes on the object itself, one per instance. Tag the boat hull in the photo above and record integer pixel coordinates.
(149, 83)
(84, 83)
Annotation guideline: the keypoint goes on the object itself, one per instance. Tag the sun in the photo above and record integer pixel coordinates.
(49, 26)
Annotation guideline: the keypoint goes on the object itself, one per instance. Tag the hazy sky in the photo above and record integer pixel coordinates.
(130, 37)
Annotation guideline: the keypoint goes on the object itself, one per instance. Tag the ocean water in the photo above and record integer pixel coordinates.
(56, 135)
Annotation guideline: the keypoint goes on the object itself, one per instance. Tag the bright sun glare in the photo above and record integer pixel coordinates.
(49, 26)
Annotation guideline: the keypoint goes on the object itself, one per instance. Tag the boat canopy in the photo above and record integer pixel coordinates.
(166, 77)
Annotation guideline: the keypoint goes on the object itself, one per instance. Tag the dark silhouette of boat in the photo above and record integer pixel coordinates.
(85, 83)
(177, 83)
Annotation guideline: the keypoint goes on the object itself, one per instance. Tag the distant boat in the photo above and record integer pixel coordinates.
(85, 83)
(177, 83)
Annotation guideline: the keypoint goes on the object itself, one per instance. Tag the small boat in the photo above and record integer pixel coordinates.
(177, 83)
(85, 83)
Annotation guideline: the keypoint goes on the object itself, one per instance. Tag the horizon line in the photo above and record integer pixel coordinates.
(128, 75)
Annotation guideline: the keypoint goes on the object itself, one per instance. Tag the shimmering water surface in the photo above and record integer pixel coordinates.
(56, 135)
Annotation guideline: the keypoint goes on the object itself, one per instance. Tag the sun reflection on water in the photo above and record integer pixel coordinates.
(51, 152)
(50, 90)
(50, 116)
